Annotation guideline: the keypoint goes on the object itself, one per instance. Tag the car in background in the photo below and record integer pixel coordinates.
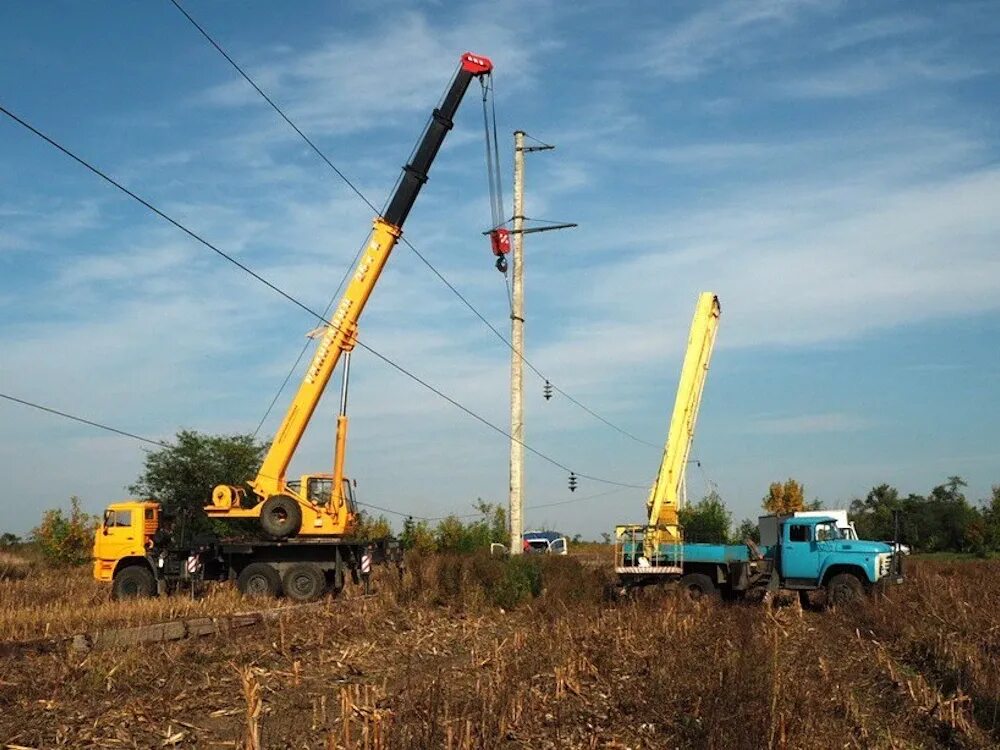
(537, 543)
(545, 542)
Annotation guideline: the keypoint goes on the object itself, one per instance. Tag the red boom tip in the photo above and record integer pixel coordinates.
(476, 64)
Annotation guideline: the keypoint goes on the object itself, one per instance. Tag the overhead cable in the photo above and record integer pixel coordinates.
(493, 164)
(278, 290)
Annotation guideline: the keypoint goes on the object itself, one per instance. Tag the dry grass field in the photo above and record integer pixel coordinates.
(447, 658)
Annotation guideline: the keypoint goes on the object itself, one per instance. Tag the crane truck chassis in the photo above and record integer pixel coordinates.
(127, 554)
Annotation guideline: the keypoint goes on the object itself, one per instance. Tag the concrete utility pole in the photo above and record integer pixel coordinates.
(517, 341)
(516, 352)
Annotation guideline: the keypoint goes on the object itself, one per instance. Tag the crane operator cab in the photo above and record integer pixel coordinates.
(319, 490)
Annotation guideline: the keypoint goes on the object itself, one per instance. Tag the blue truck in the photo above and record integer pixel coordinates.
(805, 554)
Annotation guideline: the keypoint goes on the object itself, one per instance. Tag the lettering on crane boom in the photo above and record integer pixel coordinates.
(338, 319)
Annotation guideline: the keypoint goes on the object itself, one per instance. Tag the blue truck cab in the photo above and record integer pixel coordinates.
(796, 553)
(811, 552)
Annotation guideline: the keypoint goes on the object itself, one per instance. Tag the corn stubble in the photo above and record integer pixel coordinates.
(469, 653)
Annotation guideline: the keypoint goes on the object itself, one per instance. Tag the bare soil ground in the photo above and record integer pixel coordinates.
(436, 660)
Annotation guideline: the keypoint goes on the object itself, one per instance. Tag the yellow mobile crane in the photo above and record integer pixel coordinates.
(662, 533)
(309, 520)
(321, 504)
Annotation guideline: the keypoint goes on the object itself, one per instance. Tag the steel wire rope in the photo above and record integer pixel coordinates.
(405, 241)
(278, 290)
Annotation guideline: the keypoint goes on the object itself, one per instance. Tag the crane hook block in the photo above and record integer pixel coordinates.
(476, 64)
(500, 241)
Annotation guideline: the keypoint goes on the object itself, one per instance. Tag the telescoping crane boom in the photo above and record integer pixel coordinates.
(321, 504)
(663, 526)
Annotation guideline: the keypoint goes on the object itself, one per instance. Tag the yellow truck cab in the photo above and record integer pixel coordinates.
(124, 536)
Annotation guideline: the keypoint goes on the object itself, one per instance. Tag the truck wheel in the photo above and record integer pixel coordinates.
(698, 585)
(281, 517)
(305, 582)
(259, 579)
(133, 582)
(844, 589)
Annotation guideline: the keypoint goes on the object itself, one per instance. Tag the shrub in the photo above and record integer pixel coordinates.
(372, 527)
(508, 581)
(66, 539)
(13, 567)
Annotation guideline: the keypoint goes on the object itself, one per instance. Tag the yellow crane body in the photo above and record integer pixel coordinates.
(318, 518)
(321, 504)
(663, 504)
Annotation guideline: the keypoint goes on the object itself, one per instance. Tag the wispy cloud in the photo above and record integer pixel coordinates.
(876, 29)
(878, 73)
(343, 85)
(722, 33)
(805, 424)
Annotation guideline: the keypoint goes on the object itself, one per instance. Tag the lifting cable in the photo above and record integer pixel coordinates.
(298, 303)
(499, 236)
(498, 225)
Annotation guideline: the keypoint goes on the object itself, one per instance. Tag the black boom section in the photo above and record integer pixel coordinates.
(415, 173)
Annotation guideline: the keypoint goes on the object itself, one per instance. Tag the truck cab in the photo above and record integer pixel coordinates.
(812, 551)
(124, 536)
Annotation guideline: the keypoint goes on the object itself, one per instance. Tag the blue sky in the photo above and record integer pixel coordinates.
(830, 169)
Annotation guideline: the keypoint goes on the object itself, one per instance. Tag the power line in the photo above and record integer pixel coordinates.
(274, 106)
(82, 420)
(305, 346)
(577, 499)
(405, 241)
(160, 443)
(300, 304)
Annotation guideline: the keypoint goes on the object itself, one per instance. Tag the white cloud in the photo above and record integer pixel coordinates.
(802, 424)
(875, 29)
(878, 73)
(718, 34)
(359, 82)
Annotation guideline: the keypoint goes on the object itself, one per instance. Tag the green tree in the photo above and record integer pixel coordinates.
(418, 535)
(746, 530)
(182, 476)
(372, 527)
(66, 538)
(9, 540)
(873, 516)
(784, 497)
(952, 519)
(708, 520)
(991, 521)
(453, 535)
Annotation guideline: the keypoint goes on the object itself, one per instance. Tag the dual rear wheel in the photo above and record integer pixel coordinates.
(302, 582)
